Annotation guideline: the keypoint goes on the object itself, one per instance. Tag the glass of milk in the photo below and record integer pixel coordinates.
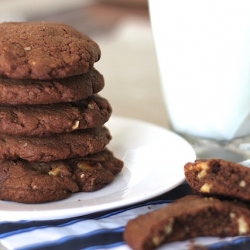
(203, 52)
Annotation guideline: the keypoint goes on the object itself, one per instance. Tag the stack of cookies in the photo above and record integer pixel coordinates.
(53, 141)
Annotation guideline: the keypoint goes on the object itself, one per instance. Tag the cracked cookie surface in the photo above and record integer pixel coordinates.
(186, 218)
(95, 171)
(43, 120)
(70, 89)
(45, 50)
(217, 177)
(34, 182)
(54, 147)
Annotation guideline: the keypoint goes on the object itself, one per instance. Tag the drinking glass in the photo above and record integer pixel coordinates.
(203, 52)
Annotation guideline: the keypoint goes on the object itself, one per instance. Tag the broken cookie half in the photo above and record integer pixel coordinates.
(216, 177)
(186, 218)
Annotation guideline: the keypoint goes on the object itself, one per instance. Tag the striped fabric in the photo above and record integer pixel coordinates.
(103, 230)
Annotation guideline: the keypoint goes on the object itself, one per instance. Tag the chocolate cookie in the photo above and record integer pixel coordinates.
(33, 182)
(22, 183)
(43, 120)
(106, 159)
(70, 89)
(216, 177)
(54, 147)
(43, 50)
(189, 217)
(95, 171)
(91, 172)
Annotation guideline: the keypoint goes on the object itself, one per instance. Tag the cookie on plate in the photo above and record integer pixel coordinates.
(186, 218)
(43, 120)
(95, 171)
(44, 50)
(21, 183)
(70, 89)
(33, 182)
(54, 147)
(91, 172)
(216, 177)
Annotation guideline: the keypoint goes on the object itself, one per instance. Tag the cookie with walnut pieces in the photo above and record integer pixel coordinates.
(186, 218)
(47, 119)
(38, 182)
(45, 50)
(32, 91)
(95, 171)
(61, 146)
(217, 177)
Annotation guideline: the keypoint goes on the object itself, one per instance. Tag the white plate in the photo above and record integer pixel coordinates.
(154, 158)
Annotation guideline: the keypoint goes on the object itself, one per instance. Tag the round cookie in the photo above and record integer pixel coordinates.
(105, 158)
(44, 50)
(22, 183)
(91, 172)
(95, 171)
(70, 89)
(43, 120)
(54, 147)
(33, 182)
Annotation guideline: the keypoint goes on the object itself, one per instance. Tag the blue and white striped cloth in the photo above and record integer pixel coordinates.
(103, 230)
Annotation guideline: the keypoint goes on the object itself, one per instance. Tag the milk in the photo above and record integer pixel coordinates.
(203, 51)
